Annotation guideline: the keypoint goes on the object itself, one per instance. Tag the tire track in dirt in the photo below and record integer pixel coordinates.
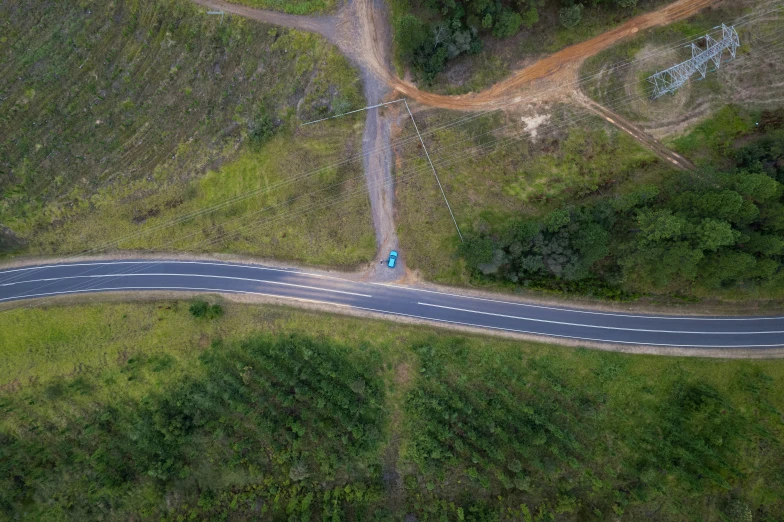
(560, 69)
(639, 134)
(360, 30)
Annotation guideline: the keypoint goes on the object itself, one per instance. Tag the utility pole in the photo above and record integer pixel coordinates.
(671, 79)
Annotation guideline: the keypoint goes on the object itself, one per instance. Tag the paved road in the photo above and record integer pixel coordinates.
(203, 276)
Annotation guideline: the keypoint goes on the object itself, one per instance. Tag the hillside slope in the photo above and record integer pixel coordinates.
(113, 113)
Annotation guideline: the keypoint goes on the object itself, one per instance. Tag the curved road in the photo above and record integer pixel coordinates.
(206, 276)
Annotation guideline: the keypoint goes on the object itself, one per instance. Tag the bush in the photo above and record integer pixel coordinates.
(261, 131)
(203, 309)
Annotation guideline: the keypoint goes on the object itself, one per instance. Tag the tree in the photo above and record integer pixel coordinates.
(477, 250)
(261, 130)
(507, 24)
(659, 264)
(530, 17)
(758, 187)
(725, 267)
(713, 234)
(660, 225)
(571, 16)
(410, 34)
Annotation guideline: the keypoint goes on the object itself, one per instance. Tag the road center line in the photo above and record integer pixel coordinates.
(578, 310)
(110, 276)
(591, 325)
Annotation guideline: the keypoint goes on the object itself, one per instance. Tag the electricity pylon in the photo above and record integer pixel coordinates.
(671, 79)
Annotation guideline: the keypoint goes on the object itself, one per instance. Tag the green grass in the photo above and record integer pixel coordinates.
(490, 186)
(127, 116)
(297, 7)
(286, 217)
(166, 415)
(710, 141)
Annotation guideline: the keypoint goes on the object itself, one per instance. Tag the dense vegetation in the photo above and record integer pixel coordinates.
(718, 228)
(129, 119)
(493, 180)
(429, 33)
(283, 426)
(507, 437)
(167, 416)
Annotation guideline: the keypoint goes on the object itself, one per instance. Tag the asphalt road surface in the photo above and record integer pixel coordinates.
(204, 276)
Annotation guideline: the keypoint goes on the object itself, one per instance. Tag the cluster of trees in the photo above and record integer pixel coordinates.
(716, 228)
(288, 415)
(450, 28)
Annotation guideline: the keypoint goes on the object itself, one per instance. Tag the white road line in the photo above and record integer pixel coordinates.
(170, 261)
(400, 288)
(577, 310)
(408, 315)
(181, 288)
(595, 326)
(96, 276)
(481, 326)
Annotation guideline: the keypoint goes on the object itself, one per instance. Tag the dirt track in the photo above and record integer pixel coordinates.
(559, 69)
(360, 30)
(362, 33)
(367, 44)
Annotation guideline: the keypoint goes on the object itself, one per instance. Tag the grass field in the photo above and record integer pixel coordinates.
(493, 173)
(126, 119)
(165, 415)
(297, 7)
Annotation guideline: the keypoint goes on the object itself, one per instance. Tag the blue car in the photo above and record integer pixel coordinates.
(392, 259)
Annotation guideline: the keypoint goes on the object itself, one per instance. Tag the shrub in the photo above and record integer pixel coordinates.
(201, 309)
(261, 130)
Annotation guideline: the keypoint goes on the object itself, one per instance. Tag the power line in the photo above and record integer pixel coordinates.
(499, 141)
(434, 172)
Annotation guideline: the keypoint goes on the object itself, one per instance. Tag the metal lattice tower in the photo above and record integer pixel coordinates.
(671, 79)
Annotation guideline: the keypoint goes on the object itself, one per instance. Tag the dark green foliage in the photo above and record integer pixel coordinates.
(426, 43)
(8, 241)
(498, 436)
(283, 415)
(695, 428)
(294, 428)
(202, 309)
(261, 130)
(426, 47)
(713, 229)
(511, 437)
(508, 24)
(571, 16)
